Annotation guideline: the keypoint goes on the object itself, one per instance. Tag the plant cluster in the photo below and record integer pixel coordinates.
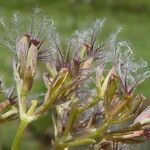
(90, 85)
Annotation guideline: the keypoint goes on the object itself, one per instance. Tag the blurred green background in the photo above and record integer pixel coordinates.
(69, 15)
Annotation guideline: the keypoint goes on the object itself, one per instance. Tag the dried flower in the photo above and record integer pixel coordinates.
(90, 85)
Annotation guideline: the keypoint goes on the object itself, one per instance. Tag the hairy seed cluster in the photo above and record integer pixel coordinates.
(90, 85)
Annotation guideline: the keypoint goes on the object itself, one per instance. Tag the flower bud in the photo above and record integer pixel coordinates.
(87, 64)
(54, 89)
(106, 82)
(30, 70)
(22, 45)
(27, 53)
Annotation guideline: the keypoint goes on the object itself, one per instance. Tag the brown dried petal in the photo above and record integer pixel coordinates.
(145, 114)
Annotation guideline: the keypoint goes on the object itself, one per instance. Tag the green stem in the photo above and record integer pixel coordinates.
(98, 133)
(85, 139)
(19, 134)
(71, 118)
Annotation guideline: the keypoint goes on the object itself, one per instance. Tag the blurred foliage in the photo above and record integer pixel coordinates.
(70, 15)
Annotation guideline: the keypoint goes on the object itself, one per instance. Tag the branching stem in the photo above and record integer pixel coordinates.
(19, 134)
